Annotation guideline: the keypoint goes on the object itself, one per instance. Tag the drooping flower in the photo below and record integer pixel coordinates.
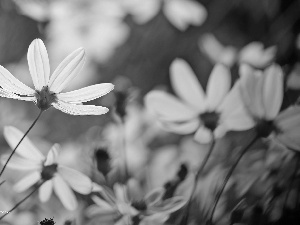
(48, 88)
(217, 111)
(262, 93)
(116, 205)
(56, 177)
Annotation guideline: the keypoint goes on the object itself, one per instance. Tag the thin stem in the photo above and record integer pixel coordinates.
(13, 152)
(212, 145)
(2, 182)
(126, 173)
(228, 176)
(24, 199)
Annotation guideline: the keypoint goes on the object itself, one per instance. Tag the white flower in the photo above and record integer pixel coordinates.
(262, 93)
(116, 205)
(59, 178)
(255, 55)
(180, 13)
(48, 88)
(219, 110)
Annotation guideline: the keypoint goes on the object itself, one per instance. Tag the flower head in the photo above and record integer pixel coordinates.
(56, 177)
(217, 111)
(48, 87)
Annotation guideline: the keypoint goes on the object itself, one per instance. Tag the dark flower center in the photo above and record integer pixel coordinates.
(210, 120)
(265, 127)
(49, 171)
(44, 98)
(139, 205)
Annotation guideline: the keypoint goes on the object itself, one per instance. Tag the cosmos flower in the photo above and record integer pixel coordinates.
(180, 13)
(57, 177)
(48, 88)
(217, 111)
(262, 93)
(117, 206)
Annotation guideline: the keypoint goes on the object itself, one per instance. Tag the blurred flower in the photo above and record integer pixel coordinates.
(118, 206)
(48, 88)
(218, 111)
(293, 81)
(255, 55)
(180, 13)
(41, 168)
(262, 93)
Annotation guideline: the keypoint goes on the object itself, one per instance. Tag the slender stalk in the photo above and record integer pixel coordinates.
(13, 152)
(2, 182)
(126, 173)
(212, 145)
(24, 199)
(229, 175)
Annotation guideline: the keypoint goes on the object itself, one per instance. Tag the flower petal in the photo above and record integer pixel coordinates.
(272, 91)
(154, 196)
(26, 149)
(81, 110)
(38, 63)
(19, 163)
(67, 70)
(52, 155)
(27, 181)
(7, 94)
(121, 193)
(64, 193)
(101, 203)
(78, 181)
(186, 84)
(170, 205)
(12, 84)
(86, 94)
(102, 215)
(182, 127)
(218, 85)
(168, 107)
(203, 135)
(45, 191)
(289, 119)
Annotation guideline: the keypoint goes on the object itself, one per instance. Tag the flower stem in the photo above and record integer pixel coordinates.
(205, 160)
(13, 152)
(255, 138)
(126, 172)
(24, 199)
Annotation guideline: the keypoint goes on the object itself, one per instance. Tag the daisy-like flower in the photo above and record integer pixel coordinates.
(262, 93)
(48, 88)
(180, 13)
(117, 206)
(56, 177)
(217, 111)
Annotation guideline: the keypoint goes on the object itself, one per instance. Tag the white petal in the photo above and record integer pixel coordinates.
(26, 149)
(86, 94)
(142, 11)
(186, 84)
(64, 193)
(218, 85)
(45, 191)
(12, 84)
(183, 13)
(38, 63)
(272, 91)
(7, 94)
(203, 135)
(27, 181)
(105, 216)
(168, 107)
(154, 196)
(101, 203)
(181, 127)
(20, 163)
(67, 70)
(220, 131)
(120, 192)
(81, 110)
(77, 180)
(170, 205)
(52, 155)
(289, 119)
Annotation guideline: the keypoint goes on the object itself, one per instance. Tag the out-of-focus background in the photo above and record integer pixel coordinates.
(131, 43)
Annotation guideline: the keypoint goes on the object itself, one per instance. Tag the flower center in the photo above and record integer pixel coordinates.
(139, 205)
(210, 120)
(49, 171)
(265, 127)
(45, 98)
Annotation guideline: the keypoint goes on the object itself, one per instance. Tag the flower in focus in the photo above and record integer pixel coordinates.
(218, 111)
(180, 13)
(40, 168)
(117, 206)
(262, 93)
(48, 88)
